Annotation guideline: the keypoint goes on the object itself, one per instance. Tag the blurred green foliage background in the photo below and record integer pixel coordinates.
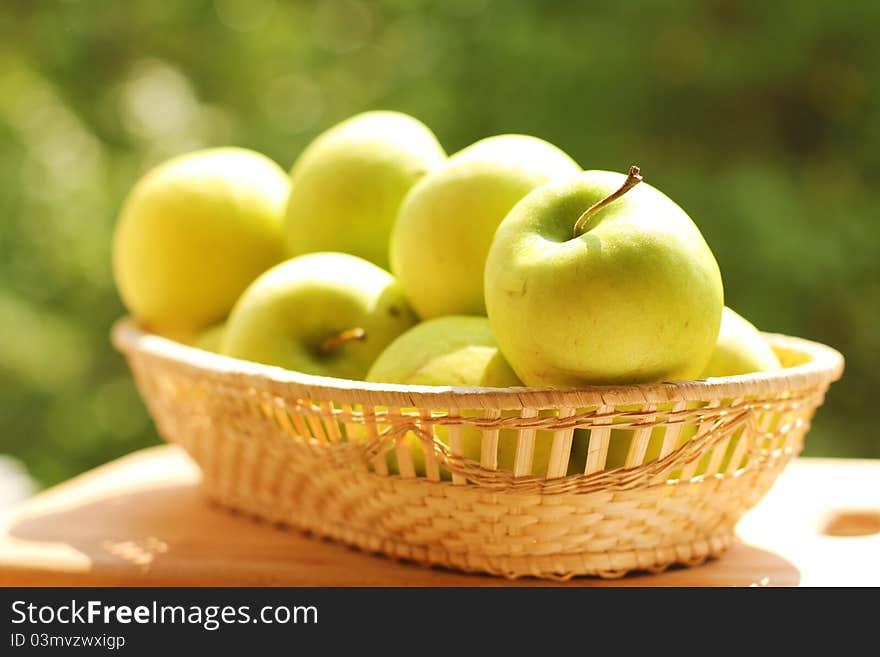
(760, 119)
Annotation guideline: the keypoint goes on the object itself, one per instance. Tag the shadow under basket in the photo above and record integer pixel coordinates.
(519, 481)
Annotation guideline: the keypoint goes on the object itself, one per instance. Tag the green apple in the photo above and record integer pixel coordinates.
(346, 187)
(446, 222)
(446, 351)
(329, 314)
(211, 339)
(596, 279)
(740, 349)
(194, 232)
(459, 351)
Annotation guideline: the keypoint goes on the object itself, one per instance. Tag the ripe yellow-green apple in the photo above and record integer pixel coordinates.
(740, 349)
(459, 351)
(446, 222)
(347, 185)
(445, 351)
(329, 314)
(596, 279)
(211, 339)
(194, 232)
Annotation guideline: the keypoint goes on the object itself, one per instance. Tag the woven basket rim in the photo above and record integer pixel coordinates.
(825, 366)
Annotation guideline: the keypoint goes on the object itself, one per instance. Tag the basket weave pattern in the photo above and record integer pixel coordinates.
(313, 453)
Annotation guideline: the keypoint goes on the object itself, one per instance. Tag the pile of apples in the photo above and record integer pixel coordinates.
(379, 258)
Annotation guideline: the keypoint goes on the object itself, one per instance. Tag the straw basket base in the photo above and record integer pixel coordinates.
(560, 567)
(606, 534)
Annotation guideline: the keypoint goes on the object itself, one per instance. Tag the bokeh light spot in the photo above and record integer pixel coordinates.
(157, 100)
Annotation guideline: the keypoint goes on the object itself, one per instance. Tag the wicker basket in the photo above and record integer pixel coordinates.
(313, 453)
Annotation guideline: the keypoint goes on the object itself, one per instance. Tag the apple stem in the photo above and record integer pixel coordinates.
(632, 179)
(334, 341)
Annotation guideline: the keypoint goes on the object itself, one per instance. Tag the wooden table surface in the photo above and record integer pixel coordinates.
(141, 520)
